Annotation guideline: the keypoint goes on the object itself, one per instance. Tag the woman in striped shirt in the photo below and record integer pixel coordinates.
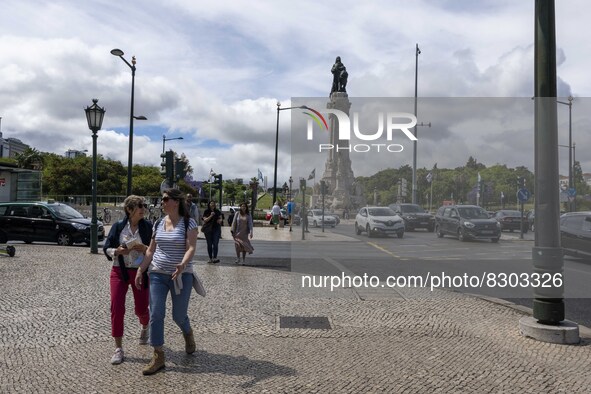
(171, 254)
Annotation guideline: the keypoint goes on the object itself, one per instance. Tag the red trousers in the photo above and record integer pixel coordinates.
(119, 289)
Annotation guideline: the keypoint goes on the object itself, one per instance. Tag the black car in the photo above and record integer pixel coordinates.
(414, 216)
(510, 219)
(466, 222)
(575, 234)
(44, 222)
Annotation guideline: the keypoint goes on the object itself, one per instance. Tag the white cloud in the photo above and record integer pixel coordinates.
(213, 71)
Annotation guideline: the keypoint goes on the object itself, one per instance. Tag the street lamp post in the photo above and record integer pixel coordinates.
(164, 139)
(570, 145)
(277, 147)
(94, 117)
(290, 203)
(414, 144)
(119, 53)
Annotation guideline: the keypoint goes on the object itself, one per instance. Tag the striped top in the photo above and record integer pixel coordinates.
(171, 246)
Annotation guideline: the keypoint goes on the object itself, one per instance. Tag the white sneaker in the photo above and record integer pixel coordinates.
(117, 357)
(144, 335)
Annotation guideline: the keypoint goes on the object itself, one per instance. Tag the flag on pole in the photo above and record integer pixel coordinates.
(312, 174)
(260, 175)
(429, 177)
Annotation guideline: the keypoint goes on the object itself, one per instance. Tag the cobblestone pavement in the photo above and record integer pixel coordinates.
(55, 337)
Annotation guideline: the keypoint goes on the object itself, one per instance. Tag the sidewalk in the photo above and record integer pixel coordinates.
(55, 337)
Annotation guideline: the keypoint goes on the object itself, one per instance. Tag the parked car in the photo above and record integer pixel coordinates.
(44, 222)
(283, 216)
(575, 234)
(379, 220)
(510, 220)
(414, 216)
(315, 218)
(466, 222)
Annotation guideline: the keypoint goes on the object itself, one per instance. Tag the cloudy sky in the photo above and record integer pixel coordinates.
(212, 73)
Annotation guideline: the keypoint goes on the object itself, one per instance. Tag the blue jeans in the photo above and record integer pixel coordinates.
(160, 286)
(213, 239)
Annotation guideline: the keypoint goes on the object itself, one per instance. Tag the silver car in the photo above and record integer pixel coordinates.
(379, 220)
(315, 218)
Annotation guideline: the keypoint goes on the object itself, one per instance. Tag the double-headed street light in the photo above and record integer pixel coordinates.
(119, 53)
(94, 117)
(277, 147)
(164, 139)
(571, 183)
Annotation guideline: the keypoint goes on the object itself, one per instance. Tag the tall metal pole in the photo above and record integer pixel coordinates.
(163, 142)
(548, 304)
(571, 163)
(130, 154)
(276, 149)
(414, 144)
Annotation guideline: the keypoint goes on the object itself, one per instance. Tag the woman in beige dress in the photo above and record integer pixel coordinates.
(242, 233)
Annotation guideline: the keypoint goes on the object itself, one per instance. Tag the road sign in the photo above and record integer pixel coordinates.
(523, 195)
(572, 192)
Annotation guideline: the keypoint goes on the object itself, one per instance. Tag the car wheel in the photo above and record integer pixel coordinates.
(64, 239)
(461, 235)
(400, 234)
(495, 240)
(3, 238)
(357, 229)
(439, 232)
(369, 234)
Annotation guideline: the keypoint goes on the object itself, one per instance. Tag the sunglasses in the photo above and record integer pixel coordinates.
(140, 205)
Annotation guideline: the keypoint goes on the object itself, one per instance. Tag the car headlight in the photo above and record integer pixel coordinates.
(79, 226)
(498, 225)
(469, 224)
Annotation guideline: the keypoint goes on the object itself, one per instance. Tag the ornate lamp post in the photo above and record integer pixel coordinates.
(119, 53)
(94, 117)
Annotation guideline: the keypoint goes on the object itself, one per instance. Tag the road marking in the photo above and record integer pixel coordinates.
(386, 251)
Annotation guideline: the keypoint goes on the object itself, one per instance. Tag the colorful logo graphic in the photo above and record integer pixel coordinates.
(317, 117)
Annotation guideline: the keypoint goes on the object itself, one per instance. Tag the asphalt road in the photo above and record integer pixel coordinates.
(421, 252)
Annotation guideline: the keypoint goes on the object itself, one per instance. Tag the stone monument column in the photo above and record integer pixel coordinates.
(338, 172)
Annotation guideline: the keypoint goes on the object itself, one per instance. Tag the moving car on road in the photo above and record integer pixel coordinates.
(466, 222)
(378, 220)
(414, 216)
(510, 219)
(575, 234)
(44, 222)
(315, 218)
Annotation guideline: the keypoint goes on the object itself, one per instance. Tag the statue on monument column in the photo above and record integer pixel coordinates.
(339, 76)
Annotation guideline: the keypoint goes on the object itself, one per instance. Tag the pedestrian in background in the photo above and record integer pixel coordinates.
(275, 214)
(193, 209)
(242, 231)
(170, 254)
(126, 246)
(212, 228)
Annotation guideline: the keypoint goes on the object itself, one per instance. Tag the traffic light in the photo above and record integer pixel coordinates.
(218, 181)
(180, 169)
(302, 184)
(323, 188)
(167, 166)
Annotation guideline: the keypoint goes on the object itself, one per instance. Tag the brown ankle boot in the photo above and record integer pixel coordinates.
(189, 342)
(156, 364)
